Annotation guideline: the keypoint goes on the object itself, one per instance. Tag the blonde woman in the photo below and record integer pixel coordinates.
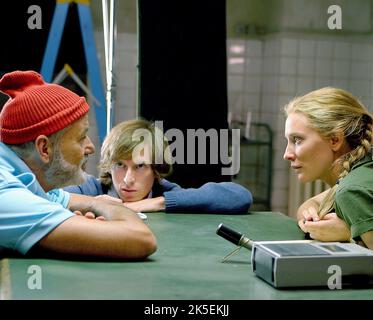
(329, 137)
(131, 171)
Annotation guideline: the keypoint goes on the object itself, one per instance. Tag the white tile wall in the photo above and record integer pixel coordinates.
(341, 69)
(254, 66)
(307, 48)
(253, 49)
(342, 50)
(324, 49)
(324, 67)
(322, 82)
(236, 65)
(235, 83)
(341, 83)
(361, 70)
(282, 66)
(244, 68)
(360, 53)
(304, 85)
(289, 47)
(288, 66)
(306, 66)
(252, 84)
(287, 84)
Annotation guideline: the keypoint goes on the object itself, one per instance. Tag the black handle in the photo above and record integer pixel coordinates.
(229, 234)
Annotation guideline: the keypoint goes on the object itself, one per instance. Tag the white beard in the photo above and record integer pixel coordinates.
(61, 173)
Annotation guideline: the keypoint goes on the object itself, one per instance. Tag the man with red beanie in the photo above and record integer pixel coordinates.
(43, 147)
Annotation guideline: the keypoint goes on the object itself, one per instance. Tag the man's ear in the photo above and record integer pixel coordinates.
(44, 148)
(337, 140)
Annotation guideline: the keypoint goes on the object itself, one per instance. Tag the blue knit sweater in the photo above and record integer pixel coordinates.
(223, 197)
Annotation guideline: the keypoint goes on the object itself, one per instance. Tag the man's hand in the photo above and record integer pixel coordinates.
(147, 205)
(330, 228)
(123, 235)
(89, 215)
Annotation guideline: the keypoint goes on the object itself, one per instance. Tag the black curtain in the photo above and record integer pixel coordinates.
(182, 72)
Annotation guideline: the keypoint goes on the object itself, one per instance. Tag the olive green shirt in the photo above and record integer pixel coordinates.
(354, 197)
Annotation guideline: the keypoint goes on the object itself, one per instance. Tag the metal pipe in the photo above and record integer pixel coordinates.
(113, 40)
(110, 38)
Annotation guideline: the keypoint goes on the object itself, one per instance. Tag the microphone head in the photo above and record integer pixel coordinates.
(229, 234)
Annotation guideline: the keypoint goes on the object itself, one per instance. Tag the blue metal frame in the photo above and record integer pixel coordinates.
(54, 40)
(93, 69)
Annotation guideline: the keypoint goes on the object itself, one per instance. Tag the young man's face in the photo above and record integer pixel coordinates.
(132, 181)
(70, 155)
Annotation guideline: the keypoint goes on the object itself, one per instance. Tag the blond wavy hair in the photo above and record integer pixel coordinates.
(121, 143)
(331, 110)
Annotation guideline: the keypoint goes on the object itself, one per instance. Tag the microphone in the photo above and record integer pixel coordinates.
(235, 237)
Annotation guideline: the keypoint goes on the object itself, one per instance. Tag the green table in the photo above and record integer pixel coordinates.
(187, 266)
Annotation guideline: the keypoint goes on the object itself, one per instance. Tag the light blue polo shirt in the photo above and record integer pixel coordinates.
(27, 213)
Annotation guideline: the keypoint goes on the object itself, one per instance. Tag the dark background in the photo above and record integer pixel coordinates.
(23, 49)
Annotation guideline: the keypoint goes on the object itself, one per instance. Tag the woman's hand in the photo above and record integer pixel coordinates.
(308, 209)
(309, 213)
(330, 228)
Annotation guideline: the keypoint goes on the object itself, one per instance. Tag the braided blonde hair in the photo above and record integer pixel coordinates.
(331, 110)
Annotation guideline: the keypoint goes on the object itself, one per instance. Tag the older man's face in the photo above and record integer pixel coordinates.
(70, 156)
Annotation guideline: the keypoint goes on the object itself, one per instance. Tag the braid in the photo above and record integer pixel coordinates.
(328, 203)
(347, 162)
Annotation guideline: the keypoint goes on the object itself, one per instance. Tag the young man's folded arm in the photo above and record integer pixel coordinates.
(110, 210)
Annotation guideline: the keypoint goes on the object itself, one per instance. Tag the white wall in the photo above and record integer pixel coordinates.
(267, 73)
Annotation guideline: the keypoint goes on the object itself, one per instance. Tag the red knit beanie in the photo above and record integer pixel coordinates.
(35, 107)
